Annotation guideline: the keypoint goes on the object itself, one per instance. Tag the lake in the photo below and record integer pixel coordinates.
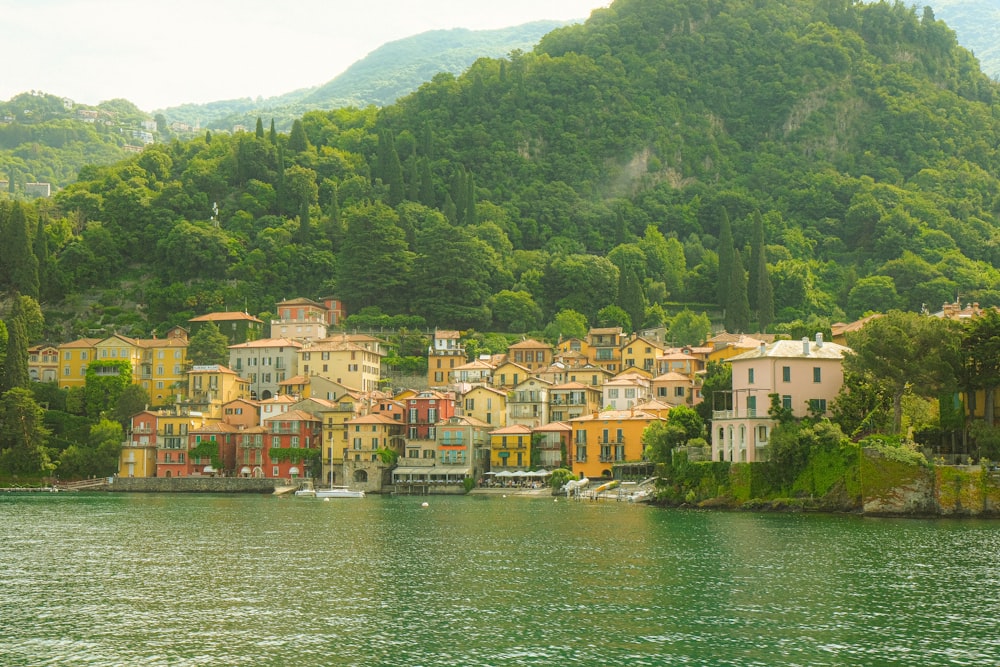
(123, 579)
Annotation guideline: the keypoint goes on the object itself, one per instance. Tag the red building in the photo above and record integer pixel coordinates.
(293, 431)
(425, 410)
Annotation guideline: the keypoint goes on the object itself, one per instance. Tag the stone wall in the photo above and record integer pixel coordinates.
(194, 485)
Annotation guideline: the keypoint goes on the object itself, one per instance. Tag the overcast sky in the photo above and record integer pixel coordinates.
(169, 52)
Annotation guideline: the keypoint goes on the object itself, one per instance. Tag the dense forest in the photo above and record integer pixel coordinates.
(778, 164)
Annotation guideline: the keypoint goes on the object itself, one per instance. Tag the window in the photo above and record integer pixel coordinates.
(751, 405)
(786, 402)
(750, 375)
(470, 404)
(786, 373)
(817, 405)
(679, 392)
(274, 471)
(817, 374)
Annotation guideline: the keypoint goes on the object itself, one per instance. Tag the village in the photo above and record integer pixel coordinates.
(310, 403)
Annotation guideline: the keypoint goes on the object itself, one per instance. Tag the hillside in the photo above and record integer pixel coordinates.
(380, 78)
(787, 163)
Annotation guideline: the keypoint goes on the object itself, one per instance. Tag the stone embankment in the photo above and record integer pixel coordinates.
(194, 485)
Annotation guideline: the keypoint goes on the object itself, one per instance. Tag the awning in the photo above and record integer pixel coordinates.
(245, 470)
(294, 470)
(420, 472)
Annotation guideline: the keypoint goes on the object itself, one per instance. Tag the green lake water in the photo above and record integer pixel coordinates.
(149, 580)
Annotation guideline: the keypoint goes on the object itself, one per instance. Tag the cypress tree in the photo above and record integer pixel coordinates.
(458, 195)
(756, 247)
(737, 317)
(297, 139)
(394, 175)
(45, 271)
(260, 128)
(413, 180)
(427, 196)
(449, 209)
(631, 297)
(470, 199)
(726, 252)
(304, 234)
(272, 135)
(21, 261)
(15, 367)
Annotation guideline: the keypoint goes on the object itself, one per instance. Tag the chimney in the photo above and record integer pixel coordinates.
(819, 339)
(805, 346)
(763, 348)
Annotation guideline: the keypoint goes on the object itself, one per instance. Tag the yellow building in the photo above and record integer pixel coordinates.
(605, 347)
(510, 448)
(601, 440)
(640, 353)
(486, 404)
(74, 357)
(530, 353)
(444, 355)
(43, 363)
(356, 364)
(209, 387)
(508, 375)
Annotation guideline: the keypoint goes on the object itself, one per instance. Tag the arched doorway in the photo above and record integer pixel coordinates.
(361, 476)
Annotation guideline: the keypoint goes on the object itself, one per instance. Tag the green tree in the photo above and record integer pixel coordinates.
(23, 435)
(106, 380)
(660, 439)
(375, 261)
(15, 366)
(451, 276)
(133, 400)
(726, 260)
(208, 346)
(566, 324)
(260, 128)
(905, 351)
(717, 389)
(515, 311)
(97, 457)
(759, 290)
(17, 255)
(737, 304)
(631, 298)
(980, 360)
(297, 139)
(614, 316)
(687, 328)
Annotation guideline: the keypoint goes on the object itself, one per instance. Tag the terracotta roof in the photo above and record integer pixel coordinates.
(516, 429)
(553, 426)
(225, 317)
(530, 342)
(266, 342)
(616, 415)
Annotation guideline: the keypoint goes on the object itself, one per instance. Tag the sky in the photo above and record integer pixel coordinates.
(170, 52)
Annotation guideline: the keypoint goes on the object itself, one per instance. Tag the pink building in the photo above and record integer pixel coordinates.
(805, 375)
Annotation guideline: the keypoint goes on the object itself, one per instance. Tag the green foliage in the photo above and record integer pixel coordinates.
(687, 328)
(208, 346)
(560, 476)
(895, 448)
(566, 324)
(106, 381)
(293, 454)
(23, 436)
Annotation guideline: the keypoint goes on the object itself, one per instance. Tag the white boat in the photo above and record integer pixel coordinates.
(339, 492)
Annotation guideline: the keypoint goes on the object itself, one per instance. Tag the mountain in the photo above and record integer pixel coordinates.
(977, 25)
(827, 156)
(380, 78)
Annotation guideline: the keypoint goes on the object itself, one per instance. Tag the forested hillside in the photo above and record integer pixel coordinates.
(789, 163)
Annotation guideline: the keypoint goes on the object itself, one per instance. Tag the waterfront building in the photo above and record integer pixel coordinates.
(510, 448)
(172, 428)
(138, 455)
(292, 442)
(675, 388)
(604, 439)
(354, 363)
(805, 375)
(551, 443)
(364, 465)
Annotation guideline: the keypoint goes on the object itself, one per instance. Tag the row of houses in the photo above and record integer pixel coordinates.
(307, 404)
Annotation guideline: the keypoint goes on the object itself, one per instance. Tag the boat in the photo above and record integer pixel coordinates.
(339, 492)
